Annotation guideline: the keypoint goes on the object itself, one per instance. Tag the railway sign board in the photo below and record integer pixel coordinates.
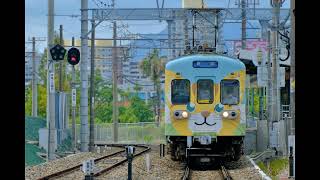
(58, 52)
(73, 97)
(88, 166)
(51, 83)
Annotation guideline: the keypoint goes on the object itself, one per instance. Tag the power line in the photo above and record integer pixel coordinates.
(135, 82)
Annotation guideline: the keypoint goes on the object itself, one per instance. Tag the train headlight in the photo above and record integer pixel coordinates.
(184, 114)
(229, 114)
(180, 114)
(225, 114)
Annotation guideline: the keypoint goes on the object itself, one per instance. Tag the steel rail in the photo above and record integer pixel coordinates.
(122, 161)
(225, 173)
(186, 174)
(59, 173)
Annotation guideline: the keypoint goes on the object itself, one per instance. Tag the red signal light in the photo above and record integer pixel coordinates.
(73, 58)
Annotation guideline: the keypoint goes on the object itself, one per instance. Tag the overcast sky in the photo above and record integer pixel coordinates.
(36, 16)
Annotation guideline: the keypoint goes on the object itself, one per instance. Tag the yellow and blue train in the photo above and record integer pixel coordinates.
(205, 107)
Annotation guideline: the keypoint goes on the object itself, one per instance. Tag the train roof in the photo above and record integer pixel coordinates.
(224, 66)
(225, 60)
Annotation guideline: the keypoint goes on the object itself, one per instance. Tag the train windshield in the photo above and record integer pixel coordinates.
(205, 91)
(230, 92)
(180, 91)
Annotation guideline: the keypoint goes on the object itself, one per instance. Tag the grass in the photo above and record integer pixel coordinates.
(31, 157)
(275, 167)
(32, 126)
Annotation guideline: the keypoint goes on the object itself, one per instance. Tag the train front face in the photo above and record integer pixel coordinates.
(205, 107)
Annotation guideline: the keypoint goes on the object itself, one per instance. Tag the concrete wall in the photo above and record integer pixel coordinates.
(283, 137)
(262, 135)
(43, 138)
(250, 141)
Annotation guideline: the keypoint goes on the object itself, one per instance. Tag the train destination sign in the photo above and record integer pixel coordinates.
(205, 64)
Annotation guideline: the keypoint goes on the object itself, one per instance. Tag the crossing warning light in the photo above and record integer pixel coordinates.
(73, 56)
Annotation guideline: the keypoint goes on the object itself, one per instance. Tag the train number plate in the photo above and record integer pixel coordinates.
(204, 140)
(204, 159)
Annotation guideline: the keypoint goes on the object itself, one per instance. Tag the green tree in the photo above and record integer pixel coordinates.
(138, 111)
(42, 101)
(103, 99)
(153, 67)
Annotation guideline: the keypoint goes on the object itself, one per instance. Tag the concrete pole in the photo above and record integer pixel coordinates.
(170, 39)
(61, 62)
(84, 77)
(219, 29)
(50, 84)
(185, 31)
(292, 68)
(115, 84)
(275, 63)
(34, 80)
(243, 46)
(74, 138)
(269, 87)
(91, 140)
(243, 24)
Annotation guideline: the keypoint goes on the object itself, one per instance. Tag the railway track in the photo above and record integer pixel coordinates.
(118, 154)
(223, 173)
(186, 174)
(146, 149)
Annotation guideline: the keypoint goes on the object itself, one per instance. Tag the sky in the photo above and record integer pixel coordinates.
(36, 17)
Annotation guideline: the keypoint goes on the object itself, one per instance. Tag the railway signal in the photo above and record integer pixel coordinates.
(73, 56)
(130, 151)
(58, 52)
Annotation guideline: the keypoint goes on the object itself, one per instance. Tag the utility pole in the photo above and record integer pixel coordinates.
(243, 46)
(115, 83)
(269, 88)
(292, 68)
(243, 24)
(61, 62)
(84, 77)
(50, 85)
(275, 62)
(34, 80)
(74, 140)
(292, 89)
(115, 80)
(91, 140)
(34, 77)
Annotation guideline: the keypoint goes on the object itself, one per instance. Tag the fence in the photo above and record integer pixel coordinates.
(136, 133)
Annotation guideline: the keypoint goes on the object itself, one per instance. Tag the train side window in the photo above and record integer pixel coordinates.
(230, 94)
(205, 91)
(180, 91)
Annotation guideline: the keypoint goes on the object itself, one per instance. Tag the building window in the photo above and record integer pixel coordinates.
(248, 2)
